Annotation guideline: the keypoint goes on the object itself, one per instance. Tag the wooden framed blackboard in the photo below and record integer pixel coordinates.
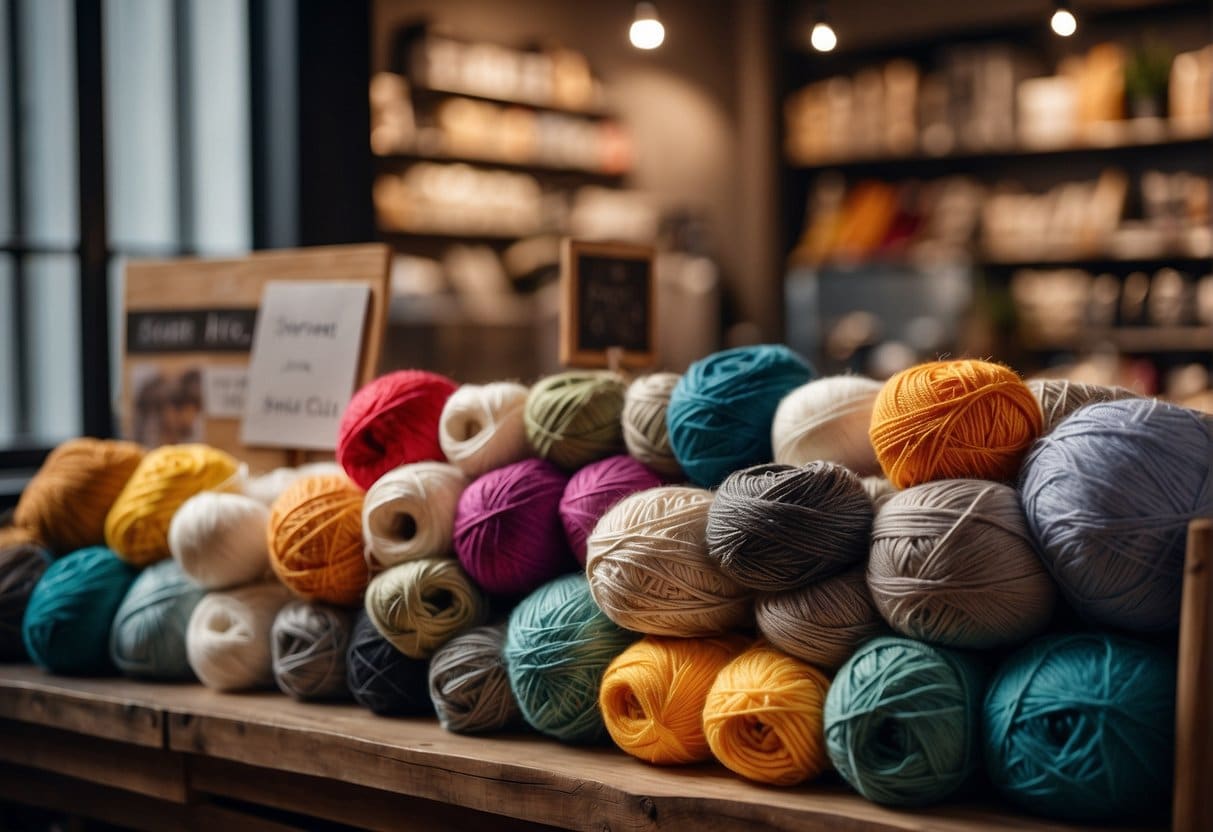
(608, 314)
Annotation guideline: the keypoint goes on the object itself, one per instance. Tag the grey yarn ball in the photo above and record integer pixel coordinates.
(309, 643)
(470, 685)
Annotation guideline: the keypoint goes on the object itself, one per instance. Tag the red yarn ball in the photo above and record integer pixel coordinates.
(594, 489)
(391, 422)
(508, 534)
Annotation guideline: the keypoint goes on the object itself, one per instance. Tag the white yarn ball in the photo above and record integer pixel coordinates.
(828, 419)
(267, 487)
(228, 640)
(409, 513)
(482, 429)
(644, 424)
(220, 539)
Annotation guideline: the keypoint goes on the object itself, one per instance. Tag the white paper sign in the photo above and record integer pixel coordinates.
(304, 363)
(224, 391)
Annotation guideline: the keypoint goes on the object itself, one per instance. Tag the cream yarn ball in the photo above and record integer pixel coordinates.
(409, 513)
(644, 426)
(828, 419)
(482, 427)
(228, 639)
(219, 539)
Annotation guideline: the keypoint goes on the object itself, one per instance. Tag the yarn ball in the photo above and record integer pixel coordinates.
(482, 427)
(315, 540)
(762, 717)
(1108, 496)
(508, 534)
(383, 679)
(219, 539)
(775, 527)
(469, 683)
(828, 419)
(137, 525)
(649, 570)
(594, 489)
(879, 489)
(269, 486)
(952, 563)
(147, 638)
(66, 503)
(420, 605)
(558, 645)
(720, 412)
(645, 433)
(22, 563)
(67, 620)
(228, 638)
(1060, 397)
(1082, 727)
(822, 623)
(902, 721)
(391, 422)
(653, 693)
(950, 419)
(573, 418)
(409, 513)
(308, 643)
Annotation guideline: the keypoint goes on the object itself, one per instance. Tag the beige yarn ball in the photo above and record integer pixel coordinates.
(420, 605)
(482, 427)
(644, 426)
(822, 623)
(409, 513)
(828, 419)
(879, 489)
(1060, 397)
(649, 570)
(228, 639)
(219, 540)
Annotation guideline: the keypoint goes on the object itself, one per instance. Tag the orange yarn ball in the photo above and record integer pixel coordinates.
(953, 419)
(315, 539)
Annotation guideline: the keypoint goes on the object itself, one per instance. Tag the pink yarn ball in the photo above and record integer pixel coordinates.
(508, 534)
(594, 489)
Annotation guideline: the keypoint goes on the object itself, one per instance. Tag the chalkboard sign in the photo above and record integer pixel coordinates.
(609, 314)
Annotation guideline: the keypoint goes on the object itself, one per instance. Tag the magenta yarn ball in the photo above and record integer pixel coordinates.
(594, 489)
(508, 533)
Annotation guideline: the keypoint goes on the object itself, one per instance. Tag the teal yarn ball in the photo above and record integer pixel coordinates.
(720, 412)
(558, 645)
(67, 623)
(1082, 727)
(147, 638)
(902, 721)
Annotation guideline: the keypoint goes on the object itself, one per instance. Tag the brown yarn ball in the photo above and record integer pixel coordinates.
(22, 562)
(1060, 397)
(822, 623)
(315, 539)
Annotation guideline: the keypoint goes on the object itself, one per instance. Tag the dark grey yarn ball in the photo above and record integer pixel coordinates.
(309, 643)
(469, 683)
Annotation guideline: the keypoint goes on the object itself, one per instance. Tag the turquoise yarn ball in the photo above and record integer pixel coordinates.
(558, 644)
(147, 638)
(902, 721)
(67, 623)
(1082, 727)
(720, 413)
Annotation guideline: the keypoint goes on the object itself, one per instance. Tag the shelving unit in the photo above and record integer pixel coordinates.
(538, 169)
(1132, 339)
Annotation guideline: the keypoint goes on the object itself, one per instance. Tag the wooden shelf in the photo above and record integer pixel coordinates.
(438, 93)
(535, 168)
(405, 238)
(1130, 339)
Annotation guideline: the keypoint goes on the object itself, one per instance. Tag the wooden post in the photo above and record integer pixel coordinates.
(1193, 800)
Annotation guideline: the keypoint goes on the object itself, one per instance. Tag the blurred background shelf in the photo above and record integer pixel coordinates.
(427, 93)
(488, 162)
(1147, 339)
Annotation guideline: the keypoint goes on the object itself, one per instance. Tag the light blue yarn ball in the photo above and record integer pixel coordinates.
(147, 638)
(720, 412)
(1081, 727)
(1108, 496)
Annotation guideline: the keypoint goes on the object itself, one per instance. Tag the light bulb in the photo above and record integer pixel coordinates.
(823, 37)
(1064, 23)
(647, 31)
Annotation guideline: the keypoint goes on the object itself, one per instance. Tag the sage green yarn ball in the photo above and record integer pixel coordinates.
(902, 721)
(574, 418)
(558, 645)
(147, 638)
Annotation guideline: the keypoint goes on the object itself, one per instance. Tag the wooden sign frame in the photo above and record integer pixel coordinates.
(573, 352)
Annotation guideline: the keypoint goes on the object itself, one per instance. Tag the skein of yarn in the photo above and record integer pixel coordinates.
(649, 569)
(409, 513)
(391, 422)
(22, 563)
(1108, 496)
(381, 678)
(1060, 397)
(66, 503)
(594, 489)
(653, 693)
(1082, 727)
(147, 638)
(219, 539)
(644, 423)
(902, 721)
(762, 717)
(774, 527)
(308, 645)
(822, 623)
(828, 419)
(931, 573)
(508, 534)
(953, 419)
(558, 645)
(420, 605)
(482, 427)
(315, 540)
(136, 527)
(228, 638)
(67, 620)
(720, 412)
(469, 683)
(573, 418)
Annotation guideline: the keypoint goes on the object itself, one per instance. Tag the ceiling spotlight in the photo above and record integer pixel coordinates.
(1063, 21)
(822, 37)
(647, 31)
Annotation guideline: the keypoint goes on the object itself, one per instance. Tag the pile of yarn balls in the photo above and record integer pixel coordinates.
(922, 584)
